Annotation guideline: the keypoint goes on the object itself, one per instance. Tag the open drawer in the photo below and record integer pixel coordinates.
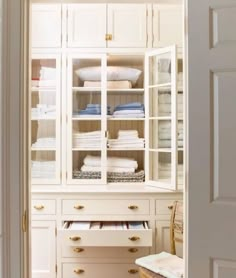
(105, 234)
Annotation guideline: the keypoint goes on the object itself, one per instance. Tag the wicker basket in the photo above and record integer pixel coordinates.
(145, 273)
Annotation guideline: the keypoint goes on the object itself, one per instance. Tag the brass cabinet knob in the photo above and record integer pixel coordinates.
(74, 238)
(133, 250)
(133, 207)
(170, 207)
(78, 250)
(108, 37)
(78, 207)
(133, 271)
(39, 207)
(134, 238)
(78, 271)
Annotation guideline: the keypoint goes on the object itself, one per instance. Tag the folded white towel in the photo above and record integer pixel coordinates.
(86, 168)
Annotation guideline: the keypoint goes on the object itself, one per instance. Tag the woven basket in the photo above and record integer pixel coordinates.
(145, 273)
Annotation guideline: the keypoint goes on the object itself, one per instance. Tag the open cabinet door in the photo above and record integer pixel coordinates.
(161, 117)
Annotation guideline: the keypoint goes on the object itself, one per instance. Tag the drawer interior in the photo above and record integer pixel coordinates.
(105, 225)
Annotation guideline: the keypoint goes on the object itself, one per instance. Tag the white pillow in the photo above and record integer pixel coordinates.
(113, 74)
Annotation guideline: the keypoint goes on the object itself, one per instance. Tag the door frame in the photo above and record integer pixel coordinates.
(14, 136)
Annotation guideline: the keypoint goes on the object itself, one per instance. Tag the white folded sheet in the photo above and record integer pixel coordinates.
(86, 168)
(124, 84)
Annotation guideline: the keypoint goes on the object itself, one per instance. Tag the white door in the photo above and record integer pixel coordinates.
(212, 137)
(167, 24)
(86, 25)
(126, 23)
(161, 117)
(43, 249)
(46, 25)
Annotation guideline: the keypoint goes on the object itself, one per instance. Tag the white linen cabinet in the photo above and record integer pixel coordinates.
(105, 25)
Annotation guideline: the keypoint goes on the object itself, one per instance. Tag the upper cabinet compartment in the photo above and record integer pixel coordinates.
(86, 25)
(46, 25)
(106, 25)
(126, 25)
(167, 24)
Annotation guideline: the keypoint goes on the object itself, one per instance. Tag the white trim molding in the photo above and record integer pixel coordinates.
(14, 181)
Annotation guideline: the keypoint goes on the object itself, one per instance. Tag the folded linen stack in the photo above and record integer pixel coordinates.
(47, 78)
(165, 135)
(126, 139)
(165, 77)
(164, 170)
(92, 110)
(164, 101)
(119, 169)
(45, 142)
(43, 169)
(43, 110)
(129, 110)
(124, 84)
(88, 140)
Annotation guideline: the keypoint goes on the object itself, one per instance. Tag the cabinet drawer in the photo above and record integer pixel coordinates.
(99, 270)
(103, 207)
(103, 252)
(164, 207)
(106, 238)
(43, 207)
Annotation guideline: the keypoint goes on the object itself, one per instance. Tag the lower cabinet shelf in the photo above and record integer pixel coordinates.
(141, 237)
(75, 270)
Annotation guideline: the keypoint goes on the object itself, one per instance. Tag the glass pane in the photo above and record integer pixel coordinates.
(160, 167)
(160, 102)
(125, 166)
(180, 171)
(43, 164)
(43, 134)
(86, 135)
(87, 165)
(43, 73)
(160, 69)
(159, 134)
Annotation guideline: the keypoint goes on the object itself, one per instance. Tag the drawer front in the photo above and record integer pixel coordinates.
(105, 207)
(103, 252)
(107, 238)
(164, 207)
(40, 206)
(99, 270)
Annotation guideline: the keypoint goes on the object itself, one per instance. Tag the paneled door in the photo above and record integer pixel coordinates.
(212, 137)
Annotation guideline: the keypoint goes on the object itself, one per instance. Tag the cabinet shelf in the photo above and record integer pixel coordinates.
(43, 149)
(86, 149)
(161, 118)
(42, 89)
(125, 119)
(164, 150)
(43, 118)
(98, 90)
(163, 85)
(126, 149)
(78, 118)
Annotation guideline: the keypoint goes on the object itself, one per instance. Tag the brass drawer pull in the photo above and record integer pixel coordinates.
(133, 207)
(170, 207)
(108, 37)
(133, 271)
(74, 238)
(78, 207)
(133, 250)
(78, 271)
(39, 207)
(78, 250)
(134, 238)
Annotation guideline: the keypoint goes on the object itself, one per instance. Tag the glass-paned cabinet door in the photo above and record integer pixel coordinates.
(45, 119)
(161, 117)
(86, 119)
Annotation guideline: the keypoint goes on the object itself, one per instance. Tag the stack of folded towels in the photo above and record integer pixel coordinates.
(126, 139)
(47, 78)
(165, 134)
(45, 142)
(164, 170)
(164, 102)
(88, 140)
(92, 110)
(119, 169)
(43, 110)
(43, 169)
(129, 110)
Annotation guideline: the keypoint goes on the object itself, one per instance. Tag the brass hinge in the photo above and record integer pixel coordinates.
(24, 222)
(106, 133)
(56, 268)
